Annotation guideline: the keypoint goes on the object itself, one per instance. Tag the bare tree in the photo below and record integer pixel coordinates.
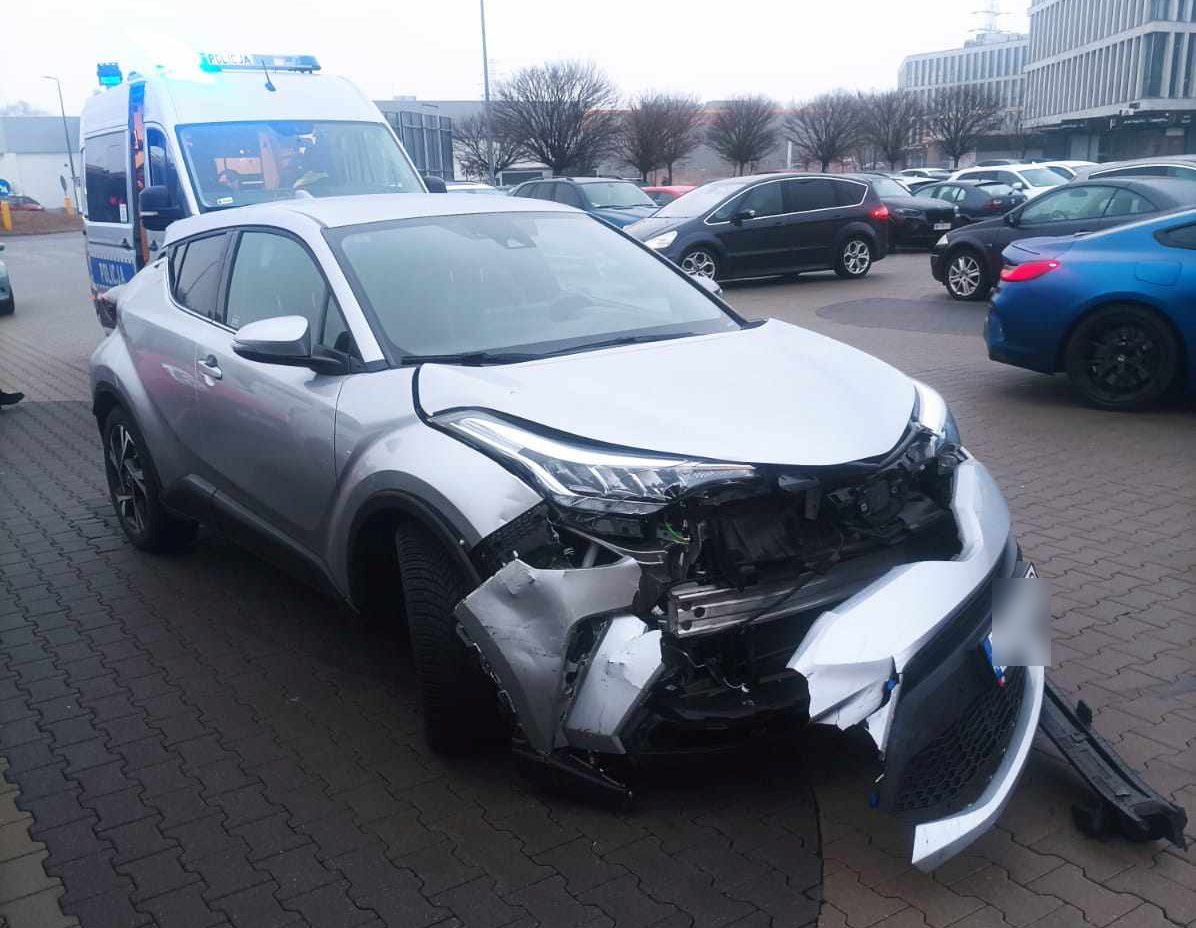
(887, 120)
(743, 130)
(562, 113)
(959, 115)
(826, 128)
(644, 133)
(684, 119)
(474, 138)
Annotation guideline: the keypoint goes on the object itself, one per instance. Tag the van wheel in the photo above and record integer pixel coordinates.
(854, 258)
(700, 262)
(965, 276)
(1121, 358)
(459, 702)
(135, 492)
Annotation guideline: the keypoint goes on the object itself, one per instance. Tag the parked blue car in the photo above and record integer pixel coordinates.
(1114, 310)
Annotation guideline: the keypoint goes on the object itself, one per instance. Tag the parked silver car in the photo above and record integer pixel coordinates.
(620, 519)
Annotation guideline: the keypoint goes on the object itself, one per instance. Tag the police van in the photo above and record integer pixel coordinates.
(235, 130)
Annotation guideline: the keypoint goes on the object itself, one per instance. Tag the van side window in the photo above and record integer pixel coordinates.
(106, 177)
(162, 172)
(195, 273)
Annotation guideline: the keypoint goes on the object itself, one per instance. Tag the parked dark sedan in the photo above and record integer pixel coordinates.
(975, 200)
(915, 220)
(968, 262)
(768, 224)
(619, 202)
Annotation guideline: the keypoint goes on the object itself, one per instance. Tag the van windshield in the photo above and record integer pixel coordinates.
(237, 163)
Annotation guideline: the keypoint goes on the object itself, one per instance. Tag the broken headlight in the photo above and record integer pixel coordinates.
(591, 478)
(931, 411)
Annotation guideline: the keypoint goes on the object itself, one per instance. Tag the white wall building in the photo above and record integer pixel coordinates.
(993, 60)
(33, 156)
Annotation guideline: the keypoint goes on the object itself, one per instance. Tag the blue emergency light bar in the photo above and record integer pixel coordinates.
(237, 61)
(109, 74)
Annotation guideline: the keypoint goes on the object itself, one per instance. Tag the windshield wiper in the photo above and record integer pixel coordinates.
(616, 342)
(470, 358)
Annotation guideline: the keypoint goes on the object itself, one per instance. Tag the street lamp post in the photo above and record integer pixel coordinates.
(486, 93)
(66, 134)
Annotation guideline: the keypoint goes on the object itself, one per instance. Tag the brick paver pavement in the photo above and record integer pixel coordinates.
(198, 740)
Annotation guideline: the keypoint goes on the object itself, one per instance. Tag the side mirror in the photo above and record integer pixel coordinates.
(739, 217)
(1011, 218)
(1018, 185)
(435, 184)
(710, 285)
(285, 340)
(158, 209)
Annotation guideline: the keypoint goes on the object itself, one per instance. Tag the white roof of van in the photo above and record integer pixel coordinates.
(232, 96)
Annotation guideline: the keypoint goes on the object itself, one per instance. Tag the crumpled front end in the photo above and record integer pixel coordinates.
(856, 595)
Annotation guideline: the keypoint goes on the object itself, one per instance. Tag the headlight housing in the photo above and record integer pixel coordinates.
(932, 412)
(588, 478)
(664, 240)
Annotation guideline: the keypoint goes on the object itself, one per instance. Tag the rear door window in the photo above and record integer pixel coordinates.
(849, 193)
(195, 273)
(106, 178)
(801, 196)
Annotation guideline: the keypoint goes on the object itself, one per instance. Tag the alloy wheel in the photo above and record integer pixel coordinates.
(963, 275)
(857, 257)
(1122, 359)
(127, 477)
(699, 264)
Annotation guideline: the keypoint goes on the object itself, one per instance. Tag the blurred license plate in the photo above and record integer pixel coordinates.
(940, 226)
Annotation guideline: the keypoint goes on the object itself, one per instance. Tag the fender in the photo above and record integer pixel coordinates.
(859, 227)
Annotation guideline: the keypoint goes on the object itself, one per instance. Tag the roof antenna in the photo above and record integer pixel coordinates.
(269, 83)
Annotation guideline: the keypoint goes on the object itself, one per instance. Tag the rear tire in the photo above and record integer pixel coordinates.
(135, 491)
(459, 702)
(965, 278)
(1121, 358)
(854, 258)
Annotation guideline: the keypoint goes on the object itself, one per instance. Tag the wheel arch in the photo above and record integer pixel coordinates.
(1126, 299)
(854, 228)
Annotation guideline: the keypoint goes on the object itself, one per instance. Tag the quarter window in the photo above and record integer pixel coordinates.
(195, 273)
(1128, 203)
(1179, 237)
(106, 178)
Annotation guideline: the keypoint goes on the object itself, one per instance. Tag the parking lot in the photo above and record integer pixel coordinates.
(199, 740)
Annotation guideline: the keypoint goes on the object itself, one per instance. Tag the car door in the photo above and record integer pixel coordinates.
(108, 221)
(268, 429)
(755, 242)
(813, 215)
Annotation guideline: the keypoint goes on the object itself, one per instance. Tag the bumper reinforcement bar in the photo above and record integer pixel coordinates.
(1124, 803)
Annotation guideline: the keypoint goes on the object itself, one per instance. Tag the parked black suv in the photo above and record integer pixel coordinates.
(771, 224)
(968, 261)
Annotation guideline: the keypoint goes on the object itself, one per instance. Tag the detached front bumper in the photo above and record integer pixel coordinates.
(581, 670)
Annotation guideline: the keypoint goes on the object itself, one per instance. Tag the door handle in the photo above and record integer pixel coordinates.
(124, 243)
(211, 367)
(153, 246)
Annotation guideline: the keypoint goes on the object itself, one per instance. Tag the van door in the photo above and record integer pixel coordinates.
(108, 221)
(162, 172)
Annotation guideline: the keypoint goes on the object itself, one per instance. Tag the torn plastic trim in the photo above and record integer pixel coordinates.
(937, 841)
(854, 649)
(522, 621)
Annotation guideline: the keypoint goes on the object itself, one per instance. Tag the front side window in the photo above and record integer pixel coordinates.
(162, 170)
(236, 163)
(1068, 205)
(195, 273)
(106, 177)
(526, 283)
(273, 275)
(764, 200)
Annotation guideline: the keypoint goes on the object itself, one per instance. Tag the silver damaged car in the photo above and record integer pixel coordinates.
(621, 520)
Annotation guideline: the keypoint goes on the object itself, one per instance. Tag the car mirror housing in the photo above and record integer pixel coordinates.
(435, 184)
(286, 340)
(743, 214)
(157, 207)
(1011, 218)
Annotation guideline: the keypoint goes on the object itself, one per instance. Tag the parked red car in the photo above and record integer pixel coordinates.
(663, 195)
(23, 204)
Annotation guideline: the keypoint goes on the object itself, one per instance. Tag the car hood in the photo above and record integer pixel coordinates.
(654, 225)
(626, 216)
(772, 394)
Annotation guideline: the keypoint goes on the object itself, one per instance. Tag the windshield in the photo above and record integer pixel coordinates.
(700, 200)
(886, 187)
(237, 163)
(526, 283)
(1042, 177)
(615, 195)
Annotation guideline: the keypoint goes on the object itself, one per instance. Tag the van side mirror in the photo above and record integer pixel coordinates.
(158, 209)
(435, 184)
(286, 340)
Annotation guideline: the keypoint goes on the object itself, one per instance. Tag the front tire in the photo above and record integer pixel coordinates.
(854, 258)
(459, 702)
(965, 278)
(135, 492)
(1121, 358)
(700, 262)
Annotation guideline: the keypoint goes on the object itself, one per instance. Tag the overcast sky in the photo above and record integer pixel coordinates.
(713, 48)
